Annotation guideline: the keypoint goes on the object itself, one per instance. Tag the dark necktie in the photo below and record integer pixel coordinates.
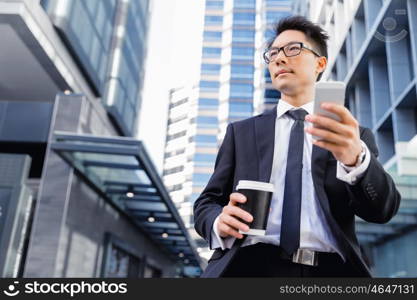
(291, 210)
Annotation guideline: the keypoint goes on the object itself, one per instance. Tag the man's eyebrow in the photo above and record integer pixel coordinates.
(286, 44)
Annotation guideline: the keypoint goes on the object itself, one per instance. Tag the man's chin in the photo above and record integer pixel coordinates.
(284, 87)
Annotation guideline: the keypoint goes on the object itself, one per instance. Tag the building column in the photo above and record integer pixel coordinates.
(53, 196)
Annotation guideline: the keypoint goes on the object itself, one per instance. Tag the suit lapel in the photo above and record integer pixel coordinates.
(265, 138)
(319, 159)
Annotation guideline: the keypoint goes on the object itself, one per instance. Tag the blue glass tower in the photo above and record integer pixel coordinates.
(108, 41)
(274, 10)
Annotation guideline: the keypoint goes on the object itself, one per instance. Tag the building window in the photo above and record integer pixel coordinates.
(213, 20)
(210, 52)
(210, 69)
(267, 76)
(200, 179)
(278, 3)
(242, 71)
(175, 104)
(241, 90)
(173, 170)
(207, 121)
(120, 260)
(176, 135)
(245, 3)
(272, 94)
(174, 188)
(274, 16)
(151, 272)
(205, 139)
(242, 53)
(177, 119)
(208, 102)
(212, 35)
(214, 4)
(240, 109)
(204, 157)
(209, 86)
(247, 36)
(176, 152)
(244, 19)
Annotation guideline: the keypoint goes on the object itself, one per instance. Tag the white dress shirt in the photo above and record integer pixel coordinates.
(314, 229)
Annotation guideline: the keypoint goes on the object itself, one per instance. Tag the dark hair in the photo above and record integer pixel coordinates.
(314, 33)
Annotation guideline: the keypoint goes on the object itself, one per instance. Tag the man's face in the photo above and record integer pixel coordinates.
(303, 69)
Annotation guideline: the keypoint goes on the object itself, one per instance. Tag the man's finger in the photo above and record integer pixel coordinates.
(237, 198)
(327, 145)
(238, 212)
(327, 135)
(233, 222)
(341, 111)
(229, 231)
(326, 122)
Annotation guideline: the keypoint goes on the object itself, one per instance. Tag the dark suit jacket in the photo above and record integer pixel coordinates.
(247, 153)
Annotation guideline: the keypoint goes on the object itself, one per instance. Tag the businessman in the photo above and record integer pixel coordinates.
(320, 184)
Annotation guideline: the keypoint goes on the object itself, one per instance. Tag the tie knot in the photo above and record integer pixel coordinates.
(298, 114)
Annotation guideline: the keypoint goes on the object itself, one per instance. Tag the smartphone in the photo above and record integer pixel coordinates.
(332, 91)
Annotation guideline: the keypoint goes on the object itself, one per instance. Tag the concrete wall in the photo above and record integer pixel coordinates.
(82, 239)
(71, 220)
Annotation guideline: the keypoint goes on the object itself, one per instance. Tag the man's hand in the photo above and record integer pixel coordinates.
(341, 138)
(228, 224)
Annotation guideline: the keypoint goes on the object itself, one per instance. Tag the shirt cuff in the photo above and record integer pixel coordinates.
(217, 241)
(352, 174)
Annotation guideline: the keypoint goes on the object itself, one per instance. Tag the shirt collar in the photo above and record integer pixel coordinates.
(283, 107)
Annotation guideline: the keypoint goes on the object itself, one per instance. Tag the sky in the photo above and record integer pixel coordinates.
(173, 60)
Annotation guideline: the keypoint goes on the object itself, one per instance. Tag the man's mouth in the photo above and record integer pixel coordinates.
(281, 73)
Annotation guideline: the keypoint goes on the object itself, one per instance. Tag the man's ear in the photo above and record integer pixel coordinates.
(321, 64)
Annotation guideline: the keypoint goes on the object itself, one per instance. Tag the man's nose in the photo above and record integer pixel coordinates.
(281, 58)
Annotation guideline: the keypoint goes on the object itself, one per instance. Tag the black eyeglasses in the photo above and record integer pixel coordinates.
(291, 49)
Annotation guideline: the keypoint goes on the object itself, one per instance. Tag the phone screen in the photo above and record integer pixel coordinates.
(333, 92)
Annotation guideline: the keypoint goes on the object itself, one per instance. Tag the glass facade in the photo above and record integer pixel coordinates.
(274, 10)
(214, 4)
(385, 259)
(383, 96)
(209, 86)
(87, 26)
(210, 69)
(242, 53)
(77, 58)
(212, 35)
(373, 49)
(128, 80)
(108, 41)
(213, 20)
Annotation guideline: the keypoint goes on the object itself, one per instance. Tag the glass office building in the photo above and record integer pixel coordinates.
(79, 196)
(274, 10)
(232, 87)
(373, 49)
(183, 139)
(108, 40)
